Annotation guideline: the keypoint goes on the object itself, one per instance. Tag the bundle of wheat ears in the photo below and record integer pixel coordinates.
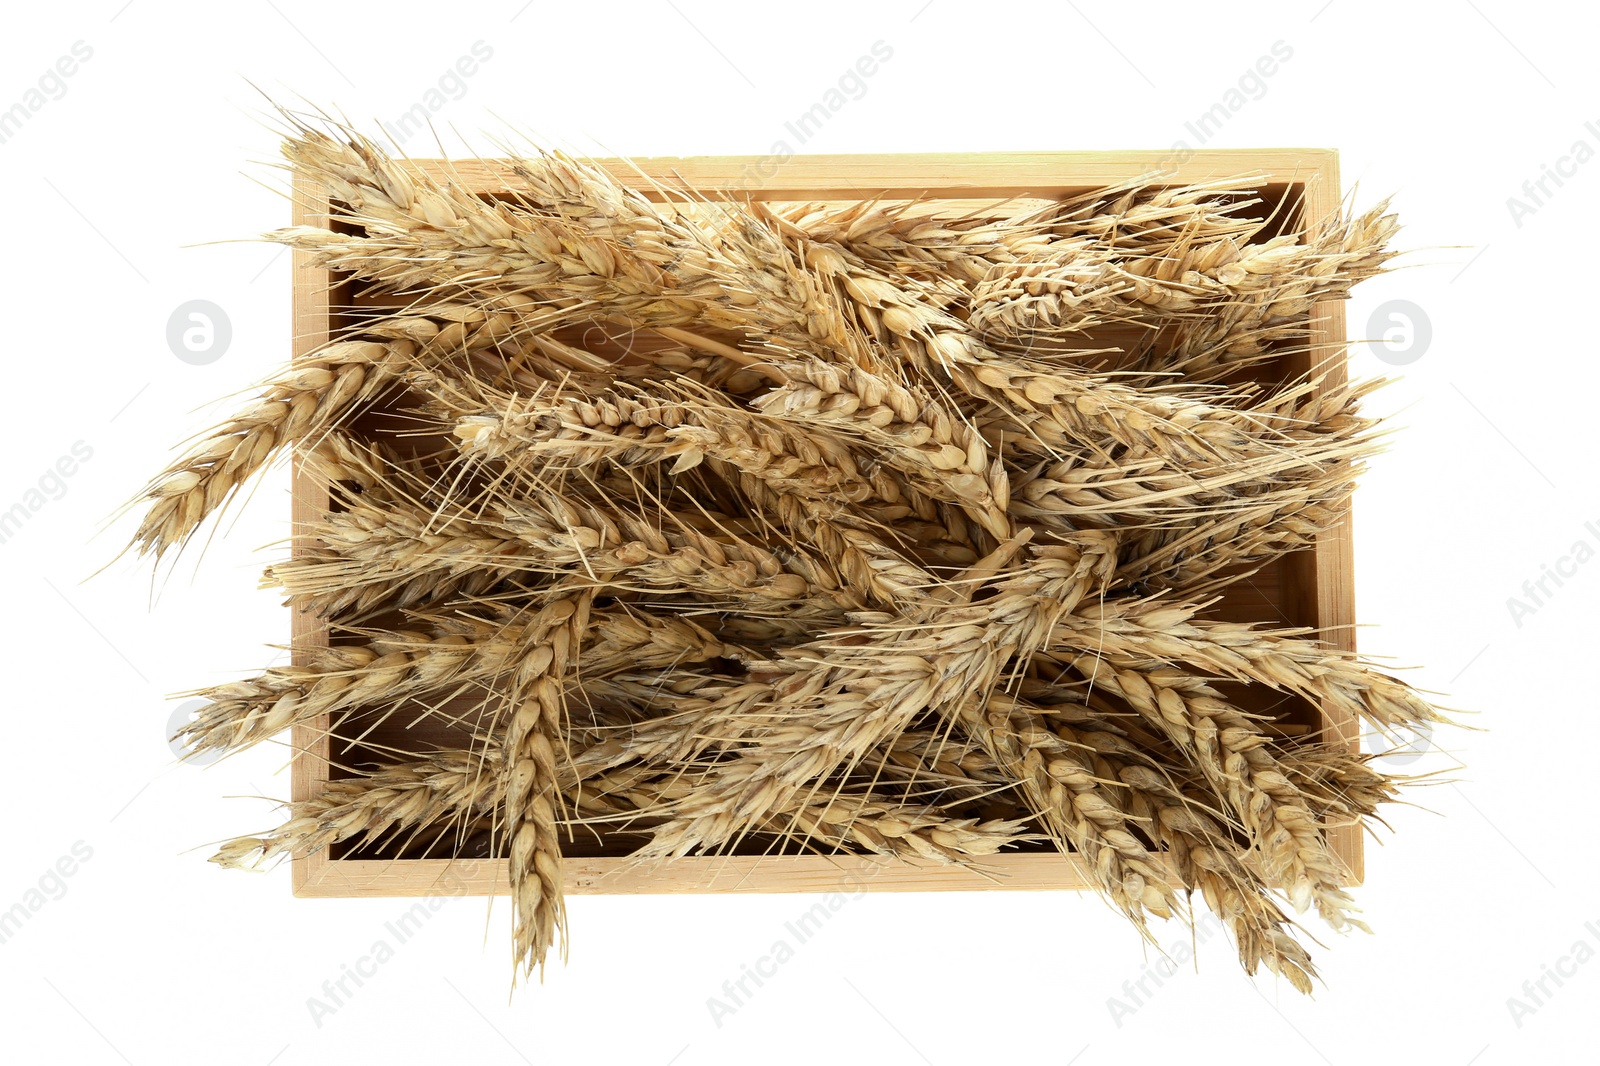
(708, 525)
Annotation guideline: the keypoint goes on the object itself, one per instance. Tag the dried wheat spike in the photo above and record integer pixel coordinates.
(443, 789)
(312, 397)
(533, 748)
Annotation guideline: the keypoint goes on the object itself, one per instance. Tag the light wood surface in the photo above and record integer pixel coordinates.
(312, 325)
(1310, 588)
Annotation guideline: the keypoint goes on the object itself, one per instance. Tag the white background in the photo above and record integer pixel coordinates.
(157, 142)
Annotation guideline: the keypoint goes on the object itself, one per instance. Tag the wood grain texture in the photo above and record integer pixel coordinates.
(738, 873)
(999, 174)
(1334, 558)
(312, 322)
(1309, 588)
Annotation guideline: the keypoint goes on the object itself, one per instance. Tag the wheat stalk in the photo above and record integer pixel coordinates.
(532, 742)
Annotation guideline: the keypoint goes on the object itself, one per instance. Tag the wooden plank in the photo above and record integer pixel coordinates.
(312, 323)
(740, 873)
(1044, 174)
(1333, 583)
(1314, 588)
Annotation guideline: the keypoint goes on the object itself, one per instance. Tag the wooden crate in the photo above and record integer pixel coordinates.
(1312, 587)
